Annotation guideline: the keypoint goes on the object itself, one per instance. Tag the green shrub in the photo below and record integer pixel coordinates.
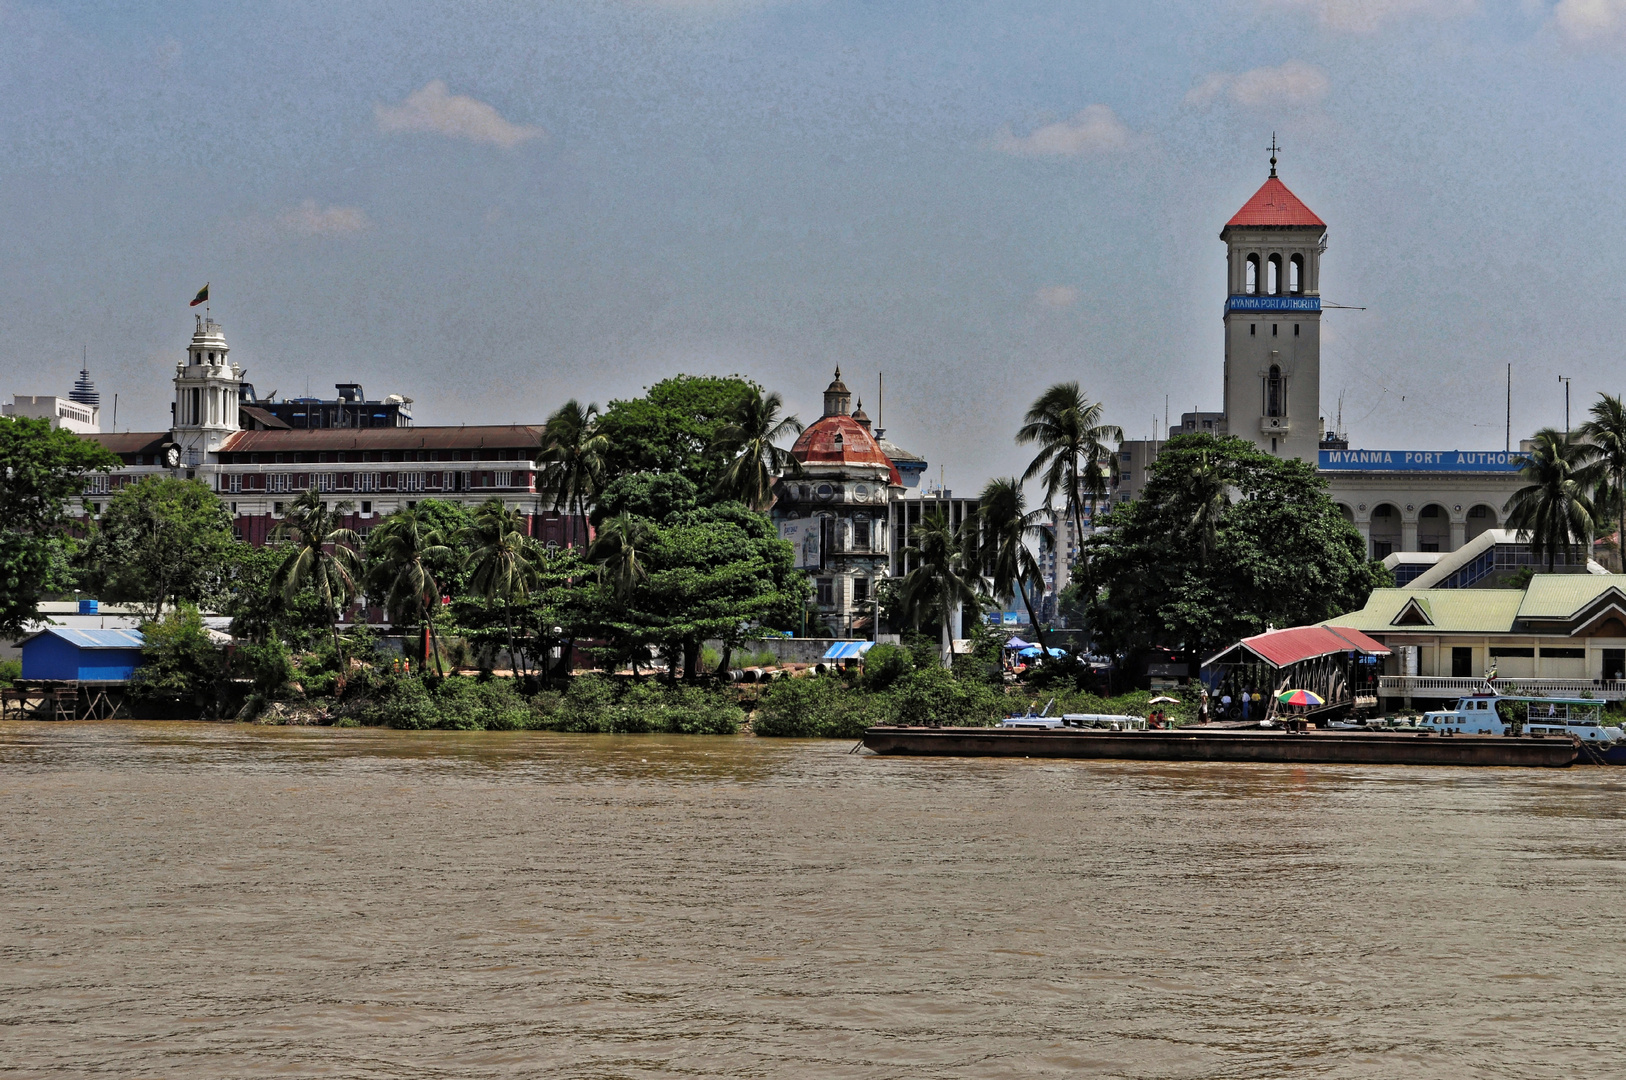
(935, 696)
(820, 708)
(10, 671)
(269, 665)
(884, 665)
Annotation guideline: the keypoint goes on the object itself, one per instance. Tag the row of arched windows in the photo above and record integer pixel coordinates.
(1265, 278)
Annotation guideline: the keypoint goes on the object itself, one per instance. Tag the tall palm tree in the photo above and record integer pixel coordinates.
(405, 547)
(1606, 431)
(943, 572)
(617, 551)
(323, 557)
(1074, 457)
(572, 460)
(1206, 493)
(1006, 560)
(1552, 510)
(502, 561)
(756, 427)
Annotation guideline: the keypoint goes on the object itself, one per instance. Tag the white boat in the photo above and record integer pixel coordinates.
(1579, 717)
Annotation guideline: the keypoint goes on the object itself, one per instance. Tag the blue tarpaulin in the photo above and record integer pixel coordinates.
(1018, 643)
(848, 650)
(1034, 650)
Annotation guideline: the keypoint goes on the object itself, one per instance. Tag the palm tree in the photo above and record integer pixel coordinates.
(405, 547)
(323, 558)
(572, 460)
(1006, 560)
(616, 549)
(503, 561)
(943, 572)
(1073, 456)
(756, 427)
(1206, 490)
(1606, 431)
(1552, 510)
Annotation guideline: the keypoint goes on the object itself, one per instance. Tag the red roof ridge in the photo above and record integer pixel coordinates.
(1274, 204)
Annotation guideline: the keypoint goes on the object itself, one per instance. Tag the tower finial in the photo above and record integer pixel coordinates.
(1274, 150)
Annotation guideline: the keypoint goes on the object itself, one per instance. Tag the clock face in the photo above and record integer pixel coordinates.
(172, 457)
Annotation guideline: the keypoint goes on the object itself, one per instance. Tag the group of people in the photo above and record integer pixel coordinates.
(1247, 700)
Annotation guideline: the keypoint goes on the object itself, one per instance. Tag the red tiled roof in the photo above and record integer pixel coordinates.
(817, 445)
(1279, 648)
(1273, 204)
(510, 436)
(129, 442)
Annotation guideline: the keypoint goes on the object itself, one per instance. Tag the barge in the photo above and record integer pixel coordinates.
(1207, 744)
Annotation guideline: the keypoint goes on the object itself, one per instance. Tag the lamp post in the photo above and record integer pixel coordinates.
(1565, 379)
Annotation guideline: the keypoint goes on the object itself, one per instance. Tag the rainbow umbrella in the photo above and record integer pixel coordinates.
(1299, 697)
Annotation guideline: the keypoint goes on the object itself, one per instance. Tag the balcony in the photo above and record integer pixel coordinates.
(1439, 686)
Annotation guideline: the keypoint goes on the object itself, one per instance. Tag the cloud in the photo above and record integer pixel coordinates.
(1094, 129)
(1591, 22)
(436, 110)
(1057, 296)
(1364, 16)
(309, 219)
(1294, 83)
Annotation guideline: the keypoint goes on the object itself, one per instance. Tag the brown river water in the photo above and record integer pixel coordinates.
(191, 900)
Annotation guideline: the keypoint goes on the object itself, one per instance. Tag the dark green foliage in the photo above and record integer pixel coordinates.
(655, 496)
(179, 663)
(268, 665)
(826, 706)
(10, 671)
(1185, 567)
(161, 540)
(594, 703)
(678, 426)
(41, 469)
(884, 665)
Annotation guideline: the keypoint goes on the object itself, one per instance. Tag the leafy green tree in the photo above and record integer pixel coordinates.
(1553, 510)
(714, 572)
(619, 549)
(180, 666)
(402, 554)
(162, 539)
(321, 557)
(677, 426)
(1280, 554)
(1009, 564)
(573, 461)
(502, 562)
(41, 469)
(1074, 458)
(758, 462)
(656, 496)
(1606, 431)
(944, 572)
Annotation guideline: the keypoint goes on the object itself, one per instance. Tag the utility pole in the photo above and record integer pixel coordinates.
(1565, 379)
(1507, 439)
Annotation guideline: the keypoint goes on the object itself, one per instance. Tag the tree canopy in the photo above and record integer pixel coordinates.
(1224, 540)
(159, 540)
(41, 469)
(680, 425)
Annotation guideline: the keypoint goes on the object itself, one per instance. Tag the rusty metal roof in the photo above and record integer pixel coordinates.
(1280, 648)
(507, 436)
(130, 442)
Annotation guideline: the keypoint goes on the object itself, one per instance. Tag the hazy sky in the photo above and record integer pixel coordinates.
(492, 207)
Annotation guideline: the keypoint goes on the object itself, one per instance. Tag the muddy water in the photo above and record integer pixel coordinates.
(207, 901)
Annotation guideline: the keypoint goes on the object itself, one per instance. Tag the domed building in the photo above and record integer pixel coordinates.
(836, 511)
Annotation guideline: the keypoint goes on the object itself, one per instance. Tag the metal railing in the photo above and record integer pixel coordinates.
(1444, 686)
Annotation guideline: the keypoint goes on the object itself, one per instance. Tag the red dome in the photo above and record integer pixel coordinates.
(818, 445)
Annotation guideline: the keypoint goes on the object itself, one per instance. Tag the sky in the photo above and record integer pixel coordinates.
(493, 207)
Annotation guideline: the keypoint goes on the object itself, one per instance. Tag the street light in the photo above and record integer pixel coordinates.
(1565, 379)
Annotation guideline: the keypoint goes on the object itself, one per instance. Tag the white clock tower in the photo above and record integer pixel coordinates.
(207, 396)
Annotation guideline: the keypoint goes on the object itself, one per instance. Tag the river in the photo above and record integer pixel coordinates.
(193, 900)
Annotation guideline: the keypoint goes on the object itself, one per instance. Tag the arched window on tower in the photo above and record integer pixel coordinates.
(1250, 281)
(1273, 392)
(1295, 275)
(1274, 284)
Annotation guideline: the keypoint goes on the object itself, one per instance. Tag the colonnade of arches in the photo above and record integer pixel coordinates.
(1433, 526)
(1273, 276)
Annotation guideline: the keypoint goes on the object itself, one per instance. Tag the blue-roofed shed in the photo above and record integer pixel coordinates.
(60, 653)
(848, 650)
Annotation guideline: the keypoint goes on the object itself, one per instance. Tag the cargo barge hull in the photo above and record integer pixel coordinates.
(1301, 748)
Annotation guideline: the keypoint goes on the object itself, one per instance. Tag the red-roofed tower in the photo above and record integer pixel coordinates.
(1273, 321)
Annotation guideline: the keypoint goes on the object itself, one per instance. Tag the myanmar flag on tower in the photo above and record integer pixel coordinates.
(202, 297)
